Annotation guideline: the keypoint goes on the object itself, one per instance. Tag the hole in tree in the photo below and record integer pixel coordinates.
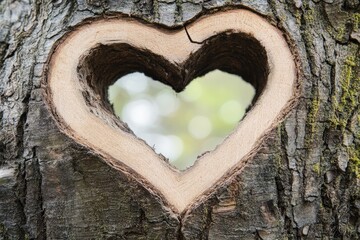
(182, 125)
(230, 54)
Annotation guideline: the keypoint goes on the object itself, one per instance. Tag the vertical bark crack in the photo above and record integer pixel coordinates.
(41, 224)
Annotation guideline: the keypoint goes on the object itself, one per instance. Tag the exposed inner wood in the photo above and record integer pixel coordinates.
(95, 55)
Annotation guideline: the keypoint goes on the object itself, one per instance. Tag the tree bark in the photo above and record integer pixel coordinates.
(304, 182)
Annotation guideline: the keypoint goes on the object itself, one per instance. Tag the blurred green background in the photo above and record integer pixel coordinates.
(181, 126)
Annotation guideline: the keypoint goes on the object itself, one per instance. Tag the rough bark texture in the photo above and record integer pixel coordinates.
(303, 184)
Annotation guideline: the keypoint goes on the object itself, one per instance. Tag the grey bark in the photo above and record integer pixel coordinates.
(303, 184)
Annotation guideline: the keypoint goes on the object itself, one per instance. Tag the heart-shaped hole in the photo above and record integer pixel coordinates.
(182, 126)
(93, 56)
(234, 53)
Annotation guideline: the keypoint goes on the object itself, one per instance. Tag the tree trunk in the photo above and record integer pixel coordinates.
(304, 182)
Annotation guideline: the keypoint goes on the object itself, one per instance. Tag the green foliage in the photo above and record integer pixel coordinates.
(196, 120)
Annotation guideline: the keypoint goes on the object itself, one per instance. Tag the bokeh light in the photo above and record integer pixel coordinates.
(181, 126)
